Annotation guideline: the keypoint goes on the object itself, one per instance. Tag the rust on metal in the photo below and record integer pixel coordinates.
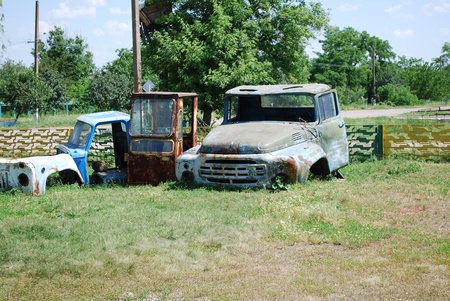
(157, 138)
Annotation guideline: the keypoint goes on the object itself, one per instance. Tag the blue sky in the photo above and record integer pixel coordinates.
(414, 28)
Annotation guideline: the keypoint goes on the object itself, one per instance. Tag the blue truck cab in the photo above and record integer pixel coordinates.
(98, 141)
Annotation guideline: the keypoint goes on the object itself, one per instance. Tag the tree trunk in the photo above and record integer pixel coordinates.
(207, 112)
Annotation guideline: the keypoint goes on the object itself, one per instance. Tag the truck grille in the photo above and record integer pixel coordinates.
(232, 171)
(4, 183)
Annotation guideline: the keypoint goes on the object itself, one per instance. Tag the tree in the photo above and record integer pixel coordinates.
(66, 56)
(123, 64)
(210, 46)
(110, 91)
(343, 60)
(380, 53)
(58, 91)
(351, 60)
(68, 61)
(22, 89)
(428, 81)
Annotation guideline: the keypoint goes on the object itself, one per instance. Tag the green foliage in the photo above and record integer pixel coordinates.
(349, 58)
(110, 91)
(79, 94)
(351, 95)
(426, 80)
(58, 90)
(66, 56)
(22, 89)
(211, 46)
(397, 95)
(279, 184)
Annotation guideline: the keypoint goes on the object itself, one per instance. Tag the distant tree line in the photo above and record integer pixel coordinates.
(210, 46)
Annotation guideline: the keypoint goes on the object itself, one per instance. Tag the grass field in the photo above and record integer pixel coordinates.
(381, 234)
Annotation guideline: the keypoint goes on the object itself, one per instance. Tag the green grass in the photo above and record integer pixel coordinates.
(383, 233)
(48, 120)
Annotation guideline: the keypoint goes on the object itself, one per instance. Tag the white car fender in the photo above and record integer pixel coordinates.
(30, 174)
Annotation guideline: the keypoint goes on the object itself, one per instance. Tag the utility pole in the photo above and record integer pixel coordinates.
(36, 40)
(374, 76)
(136, 46)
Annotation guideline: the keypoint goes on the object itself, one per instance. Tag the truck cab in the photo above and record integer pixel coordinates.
(98, 141)
(163, 125)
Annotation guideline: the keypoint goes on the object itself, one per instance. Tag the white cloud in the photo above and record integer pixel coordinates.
(96, 2)
(348, 7)
(393, 9)
(118, 11)
(70, 9)
(98, 32)
(117, 27)
(405, 33)
(44, 27)
(445, 31)
(396, 12)
(439, 7)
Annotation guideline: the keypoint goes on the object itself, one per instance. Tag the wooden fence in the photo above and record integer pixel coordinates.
(364, 140)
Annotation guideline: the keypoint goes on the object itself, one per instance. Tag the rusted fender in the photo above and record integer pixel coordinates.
(30, 174)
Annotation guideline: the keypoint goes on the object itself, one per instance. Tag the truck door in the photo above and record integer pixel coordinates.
(332, 131)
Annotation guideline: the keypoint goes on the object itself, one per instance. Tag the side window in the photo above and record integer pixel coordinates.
(232, 107)
(328, 106)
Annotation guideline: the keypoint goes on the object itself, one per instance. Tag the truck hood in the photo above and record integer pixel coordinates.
(256, 137)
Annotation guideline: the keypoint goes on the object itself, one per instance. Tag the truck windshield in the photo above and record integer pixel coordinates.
(152, 116)
(80, 134)
(287, 101)
(273, 107)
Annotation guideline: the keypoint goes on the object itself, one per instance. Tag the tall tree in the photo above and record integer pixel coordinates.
(70, 61)
(379, 53)
(67, 56)
(209, 46)
(342, 62)
(351, 59)
(429, 81)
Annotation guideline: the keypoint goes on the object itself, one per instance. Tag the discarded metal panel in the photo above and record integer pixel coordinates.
(30, 174)
(149, 14)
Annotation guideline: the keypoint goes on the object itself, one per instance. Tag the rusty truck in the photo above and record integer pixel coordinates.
(270, 134)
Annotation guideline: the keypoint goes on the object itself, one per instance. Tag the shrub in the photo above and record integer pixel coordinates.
(397, 95)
